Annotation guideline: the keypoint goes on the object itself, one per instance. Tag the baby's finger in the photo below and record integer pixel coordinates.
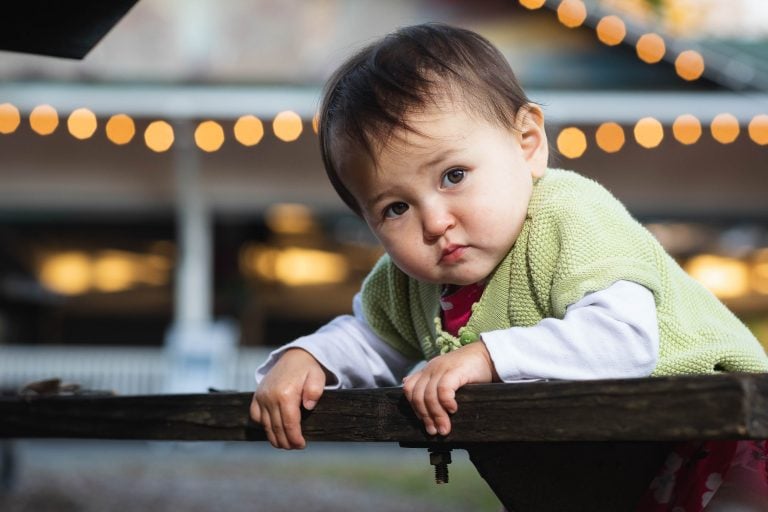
(255, 410)
(266, 422)
(414, 392)
(314, 385)
(420, 407)
(291, 424)
(276, 422)
(435, 408)
(446, 392)
(408, 384)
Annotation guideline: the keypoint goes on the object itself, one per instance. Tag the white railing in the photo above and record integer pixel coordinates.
(125, 370)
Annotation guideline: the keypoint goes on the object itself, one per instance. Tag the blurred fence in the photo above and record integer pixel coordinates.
(125, 370)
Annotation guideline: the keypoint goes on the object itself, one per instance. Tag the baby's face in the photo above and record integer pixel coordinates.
(447, 202)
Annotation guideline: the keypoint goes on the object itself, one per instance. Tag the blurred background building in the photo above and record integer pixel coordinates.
(164, 214)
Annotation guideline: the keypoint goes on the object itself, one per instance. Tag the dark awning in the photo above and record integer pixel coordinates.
(59, 28)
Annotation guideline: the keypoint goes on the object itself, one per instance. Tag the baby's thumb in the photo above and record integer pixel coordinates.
(313, 388)
(255, 410)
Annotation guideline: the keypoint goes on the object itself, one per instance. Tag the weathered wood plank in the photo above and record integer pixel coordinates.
(549, 446)
(673, 408)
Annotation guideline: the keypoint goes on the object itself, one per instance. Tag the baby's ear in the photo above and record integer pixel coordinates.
(533, 139)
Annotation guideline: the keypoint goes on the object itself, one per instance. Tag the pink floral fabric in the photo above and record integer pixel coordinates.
(696, 471)
(456, 306)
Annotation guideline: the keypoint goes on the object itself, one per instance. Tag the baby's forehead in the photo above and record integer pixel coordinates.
(421, 134)
(428, 132)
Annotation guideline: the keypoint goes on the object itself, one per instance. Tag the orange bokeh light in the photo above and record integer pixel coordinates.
(120, 129)
(689, 65)
(725, 128)
(159, 136)
(209, 136)
(758, 129)
(9, 118)
(686, 129)
(82, 123)
(287, 126)
(651, 48)
(249, 130)
(316, 123)
(571, 142)
(532, 4)
(611, 30)
(610, 137)
(649, 132)
(44, 119)
(571, 13)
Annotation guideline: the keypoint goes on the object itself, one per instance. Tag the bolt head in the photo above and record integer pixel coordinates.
(436, 458)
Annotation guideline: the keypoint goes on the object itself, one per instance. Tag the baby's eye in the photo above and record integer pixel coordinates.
(395, 210)
(453, 177)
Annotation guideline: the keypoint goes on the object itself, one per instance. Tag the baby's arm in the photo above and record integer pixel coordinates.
(352, 354)
(611, 333)
(608, 334)
(349, 355)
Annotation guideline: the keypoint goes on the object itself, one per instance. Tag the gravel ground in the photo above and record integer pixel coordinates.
(89, 476)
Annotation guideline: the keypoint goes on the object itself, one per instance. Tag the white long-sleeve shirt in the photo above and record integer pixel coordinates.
(611, 333)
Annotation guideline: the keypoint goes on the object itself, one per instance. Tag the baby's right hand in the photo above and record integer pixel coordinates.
(297, 378)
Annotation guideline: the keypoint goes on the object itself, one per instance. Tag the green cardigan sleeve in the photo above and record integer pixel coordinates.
(597, 242)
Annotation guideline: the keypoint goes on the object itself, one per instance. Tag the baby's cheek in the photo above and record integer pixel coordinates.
(410, 261)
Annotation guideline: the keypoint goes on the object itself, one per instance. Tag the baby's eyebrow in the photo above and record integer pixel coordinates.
(439, 159)
(369, 204)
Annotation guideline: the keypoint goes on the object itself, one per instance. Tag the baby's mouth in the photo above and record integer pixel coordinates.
(452, 253)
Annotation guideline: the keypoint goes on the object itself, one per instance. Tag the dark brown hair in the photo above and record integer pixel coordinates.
(372, 93)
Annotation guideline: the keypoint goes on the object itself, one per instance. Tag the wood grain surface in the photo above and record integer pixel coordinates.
(733, 406)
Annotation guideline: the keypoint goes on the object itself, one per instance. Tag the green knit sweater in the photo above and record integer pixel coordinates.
(576, 239)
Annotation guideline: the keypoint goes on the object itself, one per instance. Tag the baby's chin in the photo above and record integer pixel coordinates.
(470, 276)
(452, 281)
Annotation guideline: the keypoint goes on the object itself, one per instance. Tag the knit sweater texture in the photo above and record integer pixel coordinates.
(576, 239)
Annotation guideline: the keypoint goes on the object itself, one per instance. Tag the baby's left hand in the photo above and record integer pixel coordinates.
(432, 390)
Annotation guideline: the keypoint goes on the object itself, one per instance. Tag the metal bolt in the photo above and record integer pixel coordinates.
(440, 458)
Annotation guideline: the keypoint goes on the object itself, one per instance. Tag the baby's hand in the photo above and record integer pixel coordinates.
(432, 390)
(297, 378)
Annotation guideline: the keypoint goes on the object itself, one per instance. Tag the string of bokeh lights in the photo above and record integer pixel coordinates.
(648, 132)
(159, 136)
(288, 126)
(612, 31)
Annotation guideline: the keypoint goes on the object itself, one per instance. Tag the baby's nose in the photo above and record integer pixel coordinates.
(436, 221)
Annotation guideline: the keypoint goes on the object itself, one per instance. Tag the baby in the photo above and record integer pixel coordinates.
(497, 268)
